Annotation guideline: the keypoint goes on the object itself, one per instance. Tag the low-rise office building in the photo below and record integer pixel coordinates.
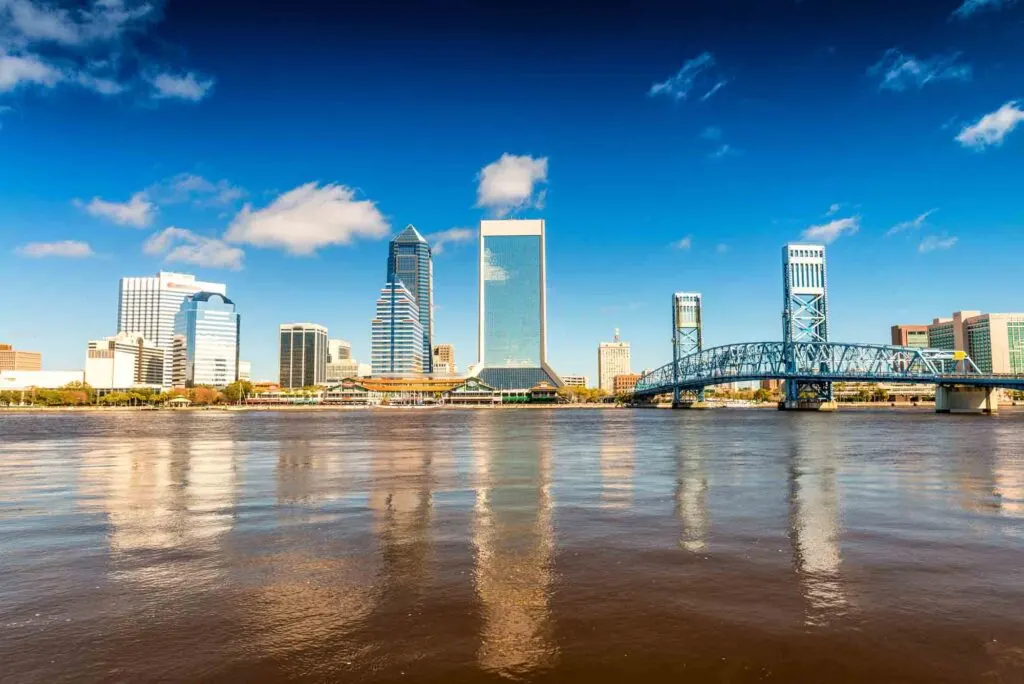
(124, 361)
(576, 381)
(625, 383)
(39, 379)
(909, 336)
(12, 359)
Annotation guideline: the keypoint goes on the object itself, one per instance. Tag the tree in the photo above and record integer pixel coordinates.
(238, 391)
(762, 395)
(205, 396)
(880, 394)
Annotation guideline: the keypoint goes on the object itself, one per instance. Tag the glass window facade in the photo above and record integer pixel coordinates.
(511, 274)
(1015, 341)
(303, 355)
(410, 262)
(205, 347)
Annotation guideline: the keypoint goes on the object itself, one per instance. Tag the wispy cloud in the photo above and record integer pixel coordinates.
(935, 242)
(833, 209)
(714, 89)
(725, 150)
(692, 74)
(453, 235)
(183, 246)
(711, 133)
(914, 224)
(685, 244)
(138, 211)
(992, 128)
(970, 7)
(181, 87)
(69, 249)
(899, 71)
(833, 230)
(307, 218)
(511, 183)
(193, 188)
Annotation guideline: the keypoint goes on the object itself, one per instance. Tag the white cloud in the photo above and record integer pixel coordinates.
(31, 22)
(20, 70)
(901, 72)
(185, 87)
(969, 7)
(491, 270)
(693, 72)
(184, 246)
(934, 242)
(189, 187)
(992, 128)
(915, 224)
(725, 150)
(833, 230)
(509, 183)
(71, 249)
(834, 208)
(307, 218)
(137, 211)
(684, 244)
(441, 238)
(714, 89)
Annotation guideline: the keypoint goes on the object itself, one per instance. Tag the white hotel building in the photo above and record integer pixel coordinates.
(147, 306)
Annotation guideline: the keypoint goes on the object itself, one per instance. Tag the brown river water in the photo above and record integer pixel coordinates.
(522, 545)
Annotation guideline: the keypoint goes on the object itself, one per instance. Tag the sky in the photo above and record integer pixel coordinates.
(670, 146)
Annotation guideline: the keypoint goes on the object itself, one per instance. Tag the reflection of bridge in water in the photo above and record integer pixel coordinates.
(806, 360)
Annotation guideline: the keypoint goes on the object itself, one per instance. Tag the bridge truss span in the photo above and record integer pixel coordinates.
(818, 362)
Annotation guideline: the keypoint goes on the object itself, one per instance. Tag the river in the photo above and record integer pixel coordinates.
(526, 545)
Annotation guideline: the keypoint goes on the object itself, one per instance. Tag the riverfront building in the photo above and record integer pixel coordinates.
(576, 381)
(396, 342)
(612, 359)
(303, 355)
(512, 343)
(410, 262)
(123, 361)
(205, 341)
(148, 307)
(910, 336)
(444, 354)
(12, 359)
(245, 370)
(995, 342)
(625, 383)
(38, 379)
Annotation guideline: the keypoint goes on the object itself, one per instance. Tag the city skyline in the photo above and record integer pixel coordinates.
(896, 144)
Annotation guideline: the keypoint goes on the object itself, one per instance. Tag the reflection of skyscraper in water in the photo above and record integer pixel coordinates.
(401, 500)
(512, 533)
(692, 498)
(618, 444)
(165, 496)
(815, 528)
(1008, 470)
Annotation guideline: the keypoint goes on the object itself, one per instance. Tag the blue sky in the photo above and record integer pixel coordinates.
(668, 146)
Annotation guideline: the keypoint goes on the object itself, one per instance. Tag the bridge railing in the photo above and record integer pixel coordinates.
(824, 361)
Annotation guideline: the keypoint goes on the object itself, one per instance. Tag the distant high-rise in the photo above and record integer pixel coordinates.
(612, 360)
(12, 359)
(910, 335)
(396, 343)
(148, 306)
(512, 348)
(123, 361)
(303, 355)
(410, 261)
(205, 341)
(445, 353)
(338, 350)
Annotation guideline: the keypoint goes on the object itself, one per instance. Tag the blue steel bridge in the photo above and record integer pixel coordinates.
(805, 358)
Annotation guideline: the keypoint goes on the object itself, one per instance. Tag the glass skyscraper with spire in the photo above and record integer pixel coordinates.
(410, 262)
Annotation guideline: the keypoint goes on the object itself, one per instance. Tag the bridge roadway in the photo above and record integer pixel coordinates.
(819, 362)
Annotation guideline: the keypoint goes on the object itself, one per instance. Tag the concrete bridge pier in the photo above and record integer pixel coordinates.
(958, 399)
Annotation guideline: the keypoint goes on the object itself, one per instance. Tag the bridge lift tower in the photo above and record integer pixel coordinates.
(804, 318)
(687, 338)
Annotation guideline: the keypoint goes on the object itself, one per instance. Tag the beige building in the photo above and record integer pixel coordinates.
(124, 361)
(995, 342)
(15, 360)
(444, 354)
(909, 335)
(576, 381)
(612, 359)
(625, 383)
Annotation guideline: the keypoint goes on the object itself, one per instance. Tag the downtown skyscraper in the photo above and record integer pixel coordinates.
(410, 263)
(205, 345)
(396, 342)
(512, 345)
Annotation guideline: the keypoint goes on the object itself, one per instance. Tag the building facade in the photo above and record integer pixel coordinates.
(123, 361)
(245, 371)
(625, 383)
(12, 359)
(148, 306)
(445, 354)
(512, 342)
(39, 379)
(994, 341)
(910, 336)
(396, 342)
(410, 261)
(205, 342)
(338, 350)
(576, 381)
(613, 358)
(302, 354)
